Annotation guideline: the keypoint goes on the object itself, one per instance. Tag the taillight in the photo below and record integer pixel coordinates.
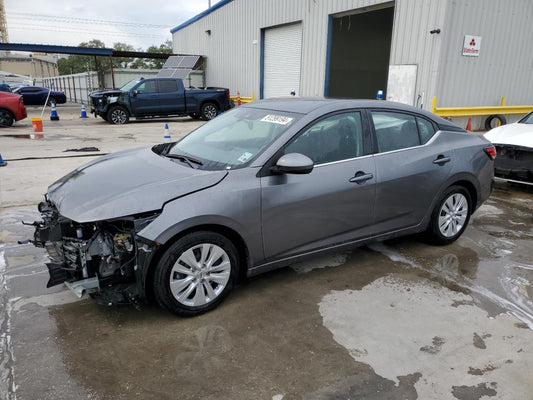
(229, 97)
(491, 152)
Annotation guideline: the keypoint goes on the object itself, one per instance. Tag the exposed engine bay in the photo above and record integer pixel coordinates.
(99, 258)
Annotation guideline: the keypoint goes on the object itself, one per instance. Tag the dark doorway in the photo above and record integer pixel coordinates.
(358, 53)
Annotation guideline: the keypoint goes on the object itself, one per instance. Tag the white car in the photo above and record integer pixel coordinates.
(514, 146)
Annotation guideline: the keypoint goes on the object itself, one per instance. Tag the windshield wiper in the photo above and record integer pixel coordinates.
(186, 159)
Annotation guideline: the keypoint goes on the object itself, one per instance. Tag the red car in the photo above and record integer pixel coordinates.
(11, 108)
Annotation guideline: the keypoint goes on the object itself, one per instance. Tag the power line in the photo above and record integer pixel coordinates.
(49, 28)
(72, 20)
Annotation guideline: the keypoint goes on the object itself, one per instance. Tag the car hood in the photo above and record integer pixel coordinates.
(513, 134)
(106, 92)
(126, 183)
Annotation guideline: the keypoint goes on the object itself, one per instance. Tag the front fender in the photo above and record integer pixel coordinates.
(222, 207)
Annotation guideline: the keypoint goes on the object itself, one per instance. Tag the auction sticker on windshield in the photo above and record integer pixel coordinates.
(277, 119)
(245, 157)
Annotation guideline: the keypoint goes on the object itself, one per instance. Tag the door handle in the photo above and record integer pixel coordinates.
(441, 160)
(361, 177)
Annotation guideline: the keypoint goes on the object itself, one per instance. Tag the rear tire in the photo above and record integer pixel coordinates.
(6, 118)
(118, 115)
(196, 273)
(209, 111)
(450, 216)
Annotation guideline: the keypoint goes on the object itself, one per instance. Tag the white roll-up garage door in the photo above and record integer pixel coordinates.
(282, 60)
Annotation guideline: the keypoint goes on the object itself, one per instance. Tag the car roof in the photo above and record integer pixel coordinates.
(309, 105)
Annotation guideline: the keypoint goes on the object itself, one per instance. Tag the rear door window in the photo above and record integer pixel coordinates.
(168, 86)
(395, 131)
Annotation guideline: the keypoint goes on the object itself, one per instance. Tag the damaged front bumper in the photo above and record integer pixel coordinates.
(514, 163)
(106, 259)
(100, 103)
(99, 108)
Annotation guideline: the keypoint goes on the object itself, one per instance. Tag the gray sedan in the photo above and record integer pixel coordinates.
(256, 189)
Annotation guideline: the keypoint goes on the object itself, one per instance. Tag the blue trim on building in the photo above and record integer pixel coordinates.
(328, 54)
(43, 48)
(198, 17)
(262, 65)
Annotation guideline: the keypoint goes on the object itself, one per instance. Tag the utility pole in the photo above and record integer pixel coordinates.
(3, 24)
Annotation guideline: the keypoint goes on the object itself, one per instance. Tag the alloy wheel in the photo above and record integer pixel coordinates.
(200, 275)
(118, 116)
(453, 214)
(210, 111)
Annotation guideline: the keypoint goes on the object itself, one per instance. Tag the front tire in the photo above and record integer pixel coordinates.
(208, 111)
(450, 216)
(195, 273)
(118, 115)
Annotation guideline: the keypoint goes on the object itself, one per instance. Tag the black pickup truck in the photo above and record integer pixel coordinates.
(158, 97)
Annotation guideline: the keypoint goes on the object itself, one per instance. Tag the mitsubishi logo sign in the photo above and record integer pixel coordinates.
(471, 46)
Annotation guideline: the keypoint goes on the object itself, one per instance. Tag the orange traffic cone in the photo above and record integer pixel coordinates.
(239, 102)
(469, 125)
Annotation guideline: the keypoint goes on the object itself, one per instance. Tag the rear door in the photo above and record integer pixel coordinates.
(411, 167)
(171, 96)
(334, 203)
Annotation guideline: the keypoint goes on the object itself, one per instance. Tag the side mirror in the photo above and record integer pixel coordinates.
(293, 163)
(134, 92)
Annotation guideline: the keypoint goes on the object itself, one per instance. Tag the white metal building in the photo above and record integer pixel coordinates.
(464, 52)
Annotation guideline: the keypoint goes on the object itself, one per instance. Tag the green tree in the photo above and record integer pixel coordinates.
(76, 63)
(123, 62)
(151, 63)
(165, 48)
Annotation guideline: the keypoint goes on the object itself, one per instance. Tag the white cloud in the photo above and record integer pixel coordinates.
(27, 23)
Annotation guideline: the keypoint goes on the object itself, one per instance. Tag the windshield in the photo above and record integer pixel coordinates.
(129, 85)
(528, 119)
(233, 139)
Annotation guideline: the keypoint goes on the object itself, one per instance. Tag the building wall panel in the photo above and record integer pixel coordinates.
(505, 63)
(504, 68)
(413, 44)
(233, 48)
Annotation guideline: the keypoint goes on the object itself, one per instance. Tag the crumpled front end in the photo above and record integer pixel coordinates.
(104, 258)
(101, 100)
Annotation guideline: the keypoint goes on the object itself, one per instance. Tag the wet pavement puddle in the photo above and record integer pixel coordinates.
(36, 136)
(449, 339)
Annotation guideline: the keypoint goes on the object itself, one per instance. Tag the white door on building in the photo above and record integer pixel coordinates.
(282, 60)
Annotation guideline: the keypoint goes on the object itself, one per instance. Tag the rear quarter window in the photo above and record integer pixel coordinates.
(425, 129)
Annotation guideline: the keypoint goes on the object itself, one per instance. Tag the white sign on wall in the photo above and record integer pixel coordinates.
(401, 84)
(472, 46)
